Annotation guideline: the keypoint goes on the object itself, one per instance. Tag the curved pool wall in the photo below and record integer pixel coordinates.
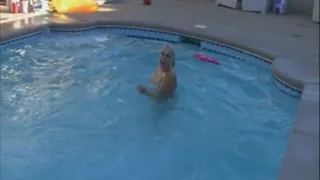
(171, 37)
(291, 167)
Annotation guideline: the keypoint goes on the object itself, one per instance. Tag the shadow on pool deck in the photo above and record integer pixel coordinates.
(293, 37)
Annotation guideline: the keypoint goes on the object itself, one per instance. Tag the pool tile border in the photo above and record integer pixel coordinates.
(147, 33)
(150, 33)
(22, 37)
(291, 91)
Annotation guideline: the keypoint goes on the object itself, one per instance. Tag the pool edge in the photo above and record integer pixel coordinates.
(291, 168)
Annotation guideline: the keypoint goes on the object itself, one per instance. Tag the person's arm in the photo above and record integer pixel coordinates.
(156, 92)
(155, 77)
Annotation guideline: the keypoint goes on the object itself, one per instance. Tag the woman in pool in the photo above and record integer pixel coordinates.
(165, 78)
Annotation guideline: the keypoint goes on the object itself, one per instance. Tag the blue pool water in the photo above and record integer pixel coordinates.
(70, 110)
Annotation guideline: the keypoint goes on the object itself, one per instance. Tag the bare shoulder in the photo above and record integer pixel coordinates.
(171, 75)
(171, 79)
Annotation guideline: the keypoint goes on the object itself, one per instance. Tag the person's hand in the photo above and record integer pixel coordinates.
(141, 89)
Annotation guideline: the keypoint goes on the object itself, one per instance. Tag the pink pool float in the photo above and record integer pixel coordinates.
(206, 58)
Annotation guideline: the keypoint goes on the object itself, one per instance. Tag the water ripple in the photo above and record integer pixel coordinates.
(70, 102)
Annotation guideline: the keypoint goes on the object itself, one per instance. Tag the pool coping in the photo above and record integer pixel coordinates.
(300, 162)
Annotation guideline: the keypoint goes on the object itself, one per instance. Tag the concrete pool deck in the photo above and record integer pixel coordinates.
(292, 42)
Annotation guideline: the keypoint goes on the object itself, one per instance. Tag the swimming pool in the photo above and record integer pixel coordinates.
(70, 110)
